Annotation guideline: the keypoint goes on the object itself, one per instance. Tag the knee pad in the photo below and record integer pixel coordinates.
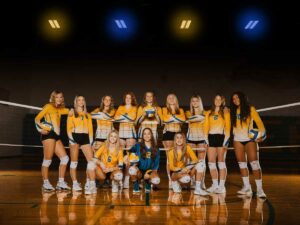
(222, 165)
(73, 164)
(64, 160)
(185, 179)
(118, 176)
(46, 162)
(132, 171)
(255, 165)
(212, 166)
(155, 180)
(243, 165)
(91, 165)
(200, 166)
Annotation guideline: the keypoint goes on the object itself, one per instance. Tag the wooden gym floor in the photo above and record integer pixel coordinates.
(22, 201)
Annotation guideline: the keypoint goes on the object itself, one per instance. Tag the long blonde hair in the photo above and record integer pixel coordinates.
(76, 106)
(184, 152)
(52, 98)
(192, 110)
(176, 104)
(118, 145)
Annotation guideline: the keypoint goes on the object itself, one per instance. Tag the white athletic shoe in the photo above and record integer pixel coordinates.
(176, 187)
(62, 186)
(126, 182)
(86, 186)
(212, 189)
(91, 190)
(76, 187)
(261, 194)
(114, 187)
(47, 187)
(199, 191)
(245, 191)
(220, 190)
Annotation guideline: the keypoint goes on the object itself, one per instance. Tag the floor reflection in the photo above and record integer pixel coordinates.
(124, 207)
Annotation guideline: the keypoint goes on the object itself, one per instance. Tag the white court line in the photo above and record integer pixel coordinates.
(163, 149)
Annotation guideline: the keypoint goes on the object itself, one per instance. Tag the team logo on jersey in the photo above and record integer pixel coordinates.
(109, 159)
(215, 117)
(238, 116)
(148, 155)
(81, 117)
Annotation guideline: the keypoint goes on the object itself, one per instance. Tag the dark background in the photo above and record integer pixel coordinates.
(88, 61)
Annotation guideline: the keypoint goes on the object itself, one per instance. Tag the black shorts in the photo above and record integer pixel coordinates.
(81, 139)
(216, 140)
(100, 139)
(245, 142)
(196, 142)
(168, 136)
(50, 135)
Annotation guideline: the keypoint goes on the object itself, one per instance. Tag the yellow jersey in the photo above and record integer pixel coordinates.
(180, 164)
(126, 117)
(196, 126)
(216, 124)
(109, 159)
(152, 118)
(172, 122)
(241, 130)
(51, 115)
(104, 122)
(82, 124)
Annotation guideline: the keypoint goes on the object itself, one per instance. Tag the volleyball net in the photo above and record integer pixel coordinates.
(18, 129)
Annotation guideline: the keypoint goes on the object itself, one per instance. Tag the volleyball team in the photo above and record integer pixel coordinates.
(126, 156)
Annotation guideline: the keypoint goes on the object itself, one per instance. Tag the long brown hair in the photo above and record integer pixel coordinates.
(222, 106)
(192, 110)
(133, 98)
(52, 98)
(154, 102)
(177, 111)
(153, 147)
(184, 152)
(111, 107)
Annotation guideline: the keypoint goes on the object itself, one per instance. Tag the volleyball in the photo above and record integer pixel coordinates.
(46, 126)
(254, 134)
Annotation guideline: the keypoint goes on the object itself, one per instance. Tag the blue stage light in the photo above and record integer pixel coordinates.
(252, 24)
(121, 25)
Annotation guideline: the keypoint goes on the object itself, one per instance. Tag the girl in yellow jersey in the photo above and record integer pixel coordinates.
(80, 134)
(126, 116)
(109, 160)
(173, 117)
(149, 115)
(246, 140)
(50, 136)
(217, 132)
(183, 163)
(105, 117)
(195, 136)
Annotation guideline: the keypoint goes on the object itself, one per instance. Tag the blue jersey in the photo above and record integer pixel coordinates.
(146, 163)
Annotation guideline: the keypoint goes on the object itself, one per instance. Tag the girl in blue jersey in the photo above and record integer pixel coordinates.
(144, 161)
